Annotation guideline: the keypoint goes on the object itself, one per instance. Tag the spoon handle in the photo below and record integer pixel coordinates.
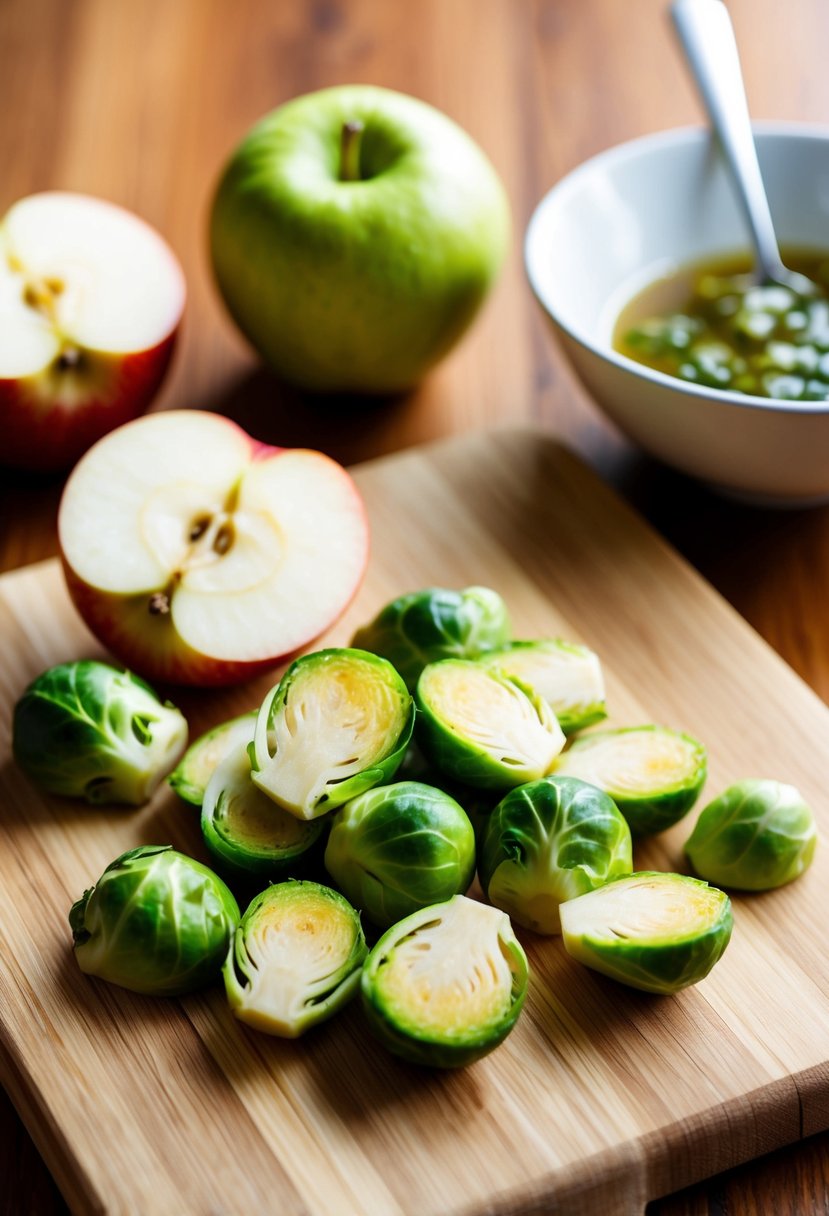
(707, 37)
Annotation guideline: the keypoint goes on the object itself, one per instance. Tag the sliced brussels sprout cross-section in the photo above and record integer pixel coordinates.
(568, 676)
(245, 831)
(400, 847)
(445, 986)
(190, 776)
(653, 774)
(484, 728)
(338, 723)
(757, 835)
(658, 932)
(88, 730)
(547, 842)
(296, 958)
(156, 922)
(425, 626)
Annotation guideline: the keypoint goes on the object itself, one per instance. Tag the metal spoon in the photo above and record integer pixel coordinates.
(707, 37)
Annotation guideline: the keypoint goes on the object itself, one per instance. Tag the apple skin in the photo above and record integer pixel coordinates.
(357, 286)
(150, 645)
(44, 436)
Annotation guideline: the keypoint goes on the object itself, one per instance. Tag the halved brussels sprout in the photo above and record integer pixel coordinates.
(446, 985)
(658, 932)
(245, 830)
(547, 842)
(484, 728)
(398, 848)
(198, 764)
(88, 730)
(425, 626)
(295, 960)
(338, 723)
(653, 774)
(757, 835)
(156, 922)
(568, 676)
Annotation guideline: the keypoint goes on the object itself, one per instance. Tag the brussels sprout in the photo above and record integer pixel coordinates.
(190, 776)
(425, 626)
(90, 731)
(398, 848)
(547, 842)
(483, 728)
(568, 677)
(658, 932)
(653, 774)
(755, 836)
(295, 960)
(445, 986)
(156, 922)
(245, 831)
(338, 723)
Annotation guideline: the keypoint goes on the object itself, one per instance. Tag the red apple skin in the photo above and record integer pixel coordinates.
(150, 646)
(45, 436)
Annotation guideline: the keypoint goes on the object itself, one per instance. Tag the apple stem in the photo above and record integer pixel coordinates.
(350, 140)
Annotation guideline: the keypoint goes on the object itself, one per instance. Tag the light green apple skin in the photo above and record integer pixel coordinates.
(357, 286)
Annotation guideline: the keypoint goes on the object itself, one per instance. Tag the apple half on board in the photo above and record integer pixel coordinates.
(199, 556)
(90, 302)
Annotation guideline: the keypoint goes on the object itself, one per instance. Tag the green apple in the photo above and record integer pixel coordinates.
(354, 234)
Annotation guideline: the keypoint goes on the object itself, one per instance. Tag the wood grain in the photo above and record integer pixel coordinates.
(142, 101)
(602, 1097)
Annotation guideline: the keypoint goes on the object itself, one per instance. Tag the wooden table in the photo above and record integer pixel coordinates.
(141, 102)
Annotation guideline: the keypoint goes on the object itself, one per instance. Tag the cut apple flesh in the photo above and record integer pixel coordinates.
(181, 534)
(78, 274)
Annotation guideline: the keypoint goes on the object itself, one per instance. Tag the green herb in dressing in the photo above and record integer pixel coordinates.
(712, 324)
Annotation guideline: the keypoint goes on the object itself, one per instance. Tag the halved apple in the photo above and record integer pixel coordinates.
(199, 556)
(90, 302)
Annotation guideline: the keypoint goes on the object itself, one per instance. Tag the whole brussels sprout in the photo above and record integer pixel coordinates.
(483, 728)
(398, 848)
(88, 730)
(247, 834)
(190, 776)
(652, 773)
(156, 922)
(425, 626)
(337, 723)
(654, 931)
(547, 842)
(568, 676)
(446, 985)
(757, 835)
(296, 958)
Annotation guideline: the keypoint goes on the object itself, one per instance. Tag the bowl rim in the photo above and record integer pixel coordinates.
(668, 138)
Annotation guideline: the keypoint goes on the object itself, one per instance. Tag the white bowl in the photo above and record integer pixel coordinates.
(636, 213)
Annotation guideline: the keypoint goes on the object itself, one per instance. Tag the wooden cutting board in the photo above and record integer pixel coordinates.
(602, 1097)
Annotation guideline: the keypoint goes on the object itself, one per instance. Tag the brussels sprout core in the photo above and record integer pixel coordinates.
(757, 835)
(658, 932)
(484, 728)
(88, 730)
(445, 986)
(400, 847)
(244, 829)
(295, 960)
(653, 774)
(425, 626)
(568, 677)
(156, 922)
(190, 777)
(547, 842)
(337, 723)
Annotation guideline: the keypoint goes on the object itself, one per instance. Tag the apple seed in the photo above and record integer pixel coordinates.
(199, 526)
(224, 538)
